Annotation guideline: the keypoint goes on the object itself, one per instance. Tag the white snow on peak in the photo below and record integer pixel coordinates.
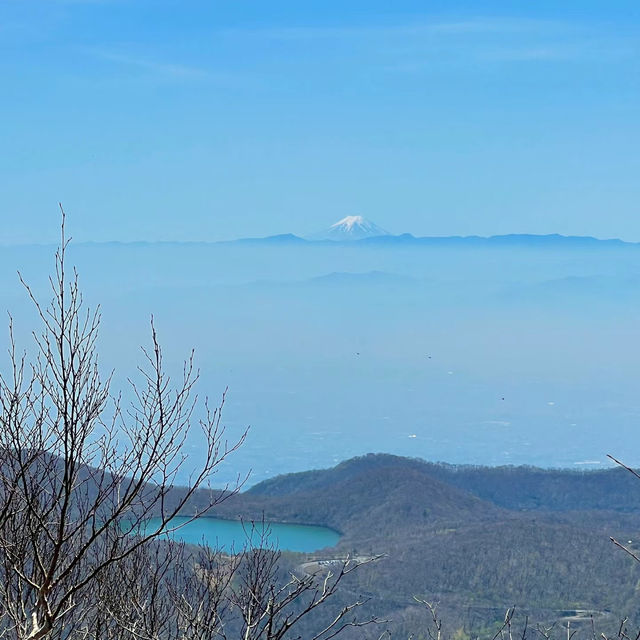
(351, 228)
(351, 221)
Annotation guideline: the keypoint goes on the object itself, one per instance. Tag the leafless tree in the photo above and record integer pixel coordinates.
(78, 474)
(80, 478)
(270, 608)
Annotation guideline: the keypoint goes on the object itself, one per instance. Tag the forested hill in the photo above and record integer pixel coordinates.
(391, 492)
(527, 488)
(508, 487)
(382, 495)
(476, 539)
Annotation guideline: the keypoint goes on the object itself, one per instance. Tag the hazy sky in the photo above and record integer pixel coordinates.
(189, 120)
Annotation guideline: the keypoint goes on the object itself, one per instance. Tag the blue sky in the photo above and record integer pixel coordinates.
(204, 120)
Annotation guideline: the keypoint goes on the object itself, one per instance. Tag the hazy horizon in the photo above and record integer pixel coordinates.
(218, 120)
(157, 123)
(462, 354)
(309, 237)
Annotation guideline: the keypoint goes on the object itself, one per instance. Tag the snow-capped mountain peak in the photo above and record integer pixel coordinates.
(351, 228)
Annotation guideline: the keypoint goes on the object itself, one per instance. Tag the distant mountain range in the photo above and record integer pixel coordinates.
(356, 236)
(360, 229)
(522, 240)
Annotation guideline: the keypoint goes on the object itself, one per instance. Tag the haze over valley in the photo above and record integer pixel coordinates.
(515, 349)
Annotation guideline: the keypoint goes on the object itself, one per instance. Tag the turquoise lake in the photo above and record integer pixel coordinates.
(231, 535)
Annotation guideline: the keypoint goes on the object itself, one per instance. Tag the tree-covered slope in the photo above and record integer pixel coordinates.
(476, 539)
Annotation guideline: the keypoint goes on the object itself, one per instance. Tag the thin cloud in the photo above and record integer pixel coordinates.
(165, 69)
(505, 26)
(88, 1)
(578, 52)
(463, 27)
(417, 45)
(146, 66)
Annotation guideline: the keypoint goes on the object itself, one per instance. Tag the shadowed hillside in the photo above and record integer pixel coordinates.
(477, 539)
(375, 489)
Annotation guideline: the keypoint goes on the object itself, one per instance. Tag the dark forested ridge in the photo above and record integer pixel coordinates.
(476, 539)
(417, 491)
(509, 487)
